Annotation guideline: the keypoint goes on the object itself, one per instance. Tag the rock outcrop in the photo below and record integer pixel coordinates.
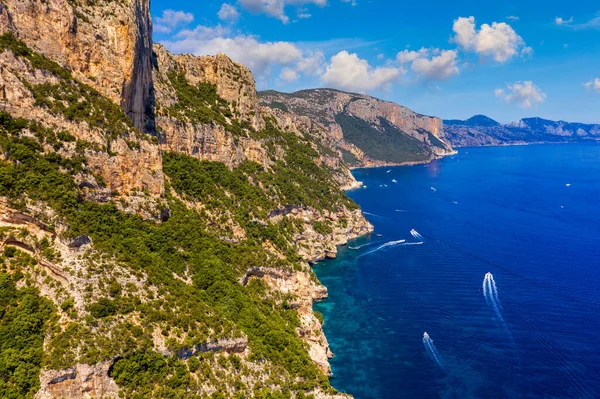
(314, 245)
(80, 381)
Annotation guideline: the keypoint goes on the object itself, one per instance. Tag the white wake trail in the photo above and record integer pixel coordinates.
(387, 244)
(432, 351)
(490, 293)
(364, 245)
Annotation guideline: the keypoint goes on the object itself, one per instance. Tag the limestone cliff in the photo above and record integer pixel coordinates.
(105, 44)
(365, 130)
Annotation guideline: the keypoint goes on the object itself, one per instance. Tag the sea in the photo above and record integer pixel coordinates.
(495, 254)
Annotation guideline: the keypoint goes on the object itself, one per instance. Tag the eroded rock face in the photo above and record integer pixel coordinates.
(314, 246)
(80, 381)
(107, 44)
(231, 345)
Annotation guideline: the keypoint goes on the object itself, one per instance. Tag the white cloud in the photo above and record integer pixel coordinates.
(439, 67)
(259, 56)
(312, 64)
(498, 40)
(560, 21)
(406, 56)
(288, 75)
(227, 12)
(593, 23)
(171, 19)
(347, 71)
(431, 64)
(512, 18)
(276, 8)
(525, 94)
(593, 84)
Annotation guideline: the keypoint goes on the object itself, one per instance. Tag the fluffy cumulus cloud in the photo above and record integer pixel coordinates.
(431, 64)
(593, 85)
(259, 56)
(276, 8)
(347, 71)
(228, 13)
(497, 41)
(525, 94)
(171, 19)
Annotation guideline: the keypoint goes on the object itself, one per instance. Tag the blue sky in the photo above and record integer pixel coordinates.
(507, 60)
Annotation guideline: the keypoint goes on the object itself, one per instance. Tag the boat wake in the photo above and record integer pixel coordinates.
(386, 245)
(365, 245)
(490, 293)
(432, 351)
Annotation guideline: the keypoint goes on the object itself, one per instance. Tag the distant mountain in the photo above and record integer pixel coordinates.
(477, 120)
(365, 130)
(481, 130)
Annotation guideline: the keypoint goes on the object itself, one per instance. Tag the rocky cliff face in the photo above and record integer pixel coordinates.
(105, 44)
(180, 128)
(367, 131)
(481, 131)
(125, 162)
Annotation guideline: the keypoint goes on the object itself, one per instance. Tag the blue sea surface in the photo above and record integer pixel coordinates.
(530, 216)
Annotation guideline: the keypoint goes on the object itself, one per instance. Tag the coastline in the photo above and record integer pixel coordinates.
(407, 163)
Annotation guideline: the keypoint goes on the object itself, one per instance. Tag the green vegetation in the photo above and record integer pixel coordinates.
(348, 157)
(297, 179)
(279, 105)
(216, 304)
(322, 228)
(390, 145)
(24, 316)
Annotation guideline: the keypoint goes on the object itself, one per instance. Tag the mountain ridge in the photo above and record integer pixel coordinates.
(367, 131)
(481, 130)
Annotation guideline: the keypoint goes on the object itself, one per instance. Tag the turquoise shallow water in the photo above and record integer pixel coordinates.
(530, 216)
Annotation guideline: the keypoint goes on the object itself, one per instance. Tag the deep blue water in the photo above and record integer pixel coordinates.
(506, 210)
